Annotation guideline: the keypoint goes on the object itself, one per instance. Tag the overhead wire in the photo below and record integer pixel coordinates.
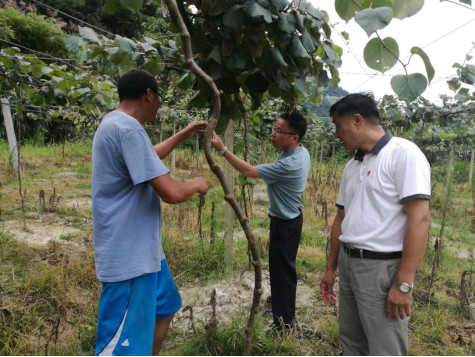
(72, 17)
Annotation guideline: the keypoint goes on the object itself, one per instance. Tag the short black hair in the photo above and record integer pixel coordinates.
(295, 122)
(357, 103)
(134, 83)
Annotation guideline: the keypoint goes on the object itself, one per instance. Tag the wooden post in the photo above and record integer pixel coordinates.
(317, 144)
(228, 212)
(12, 144)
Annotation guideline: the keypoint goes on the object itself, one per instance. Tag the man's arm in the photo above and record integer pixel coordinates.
(166, 147)
(415, 243)
(328, 280)
(242, 166)
(173, 191)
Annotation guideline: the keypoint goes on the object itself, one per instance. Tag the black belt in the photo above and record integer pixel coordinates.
(368, 254)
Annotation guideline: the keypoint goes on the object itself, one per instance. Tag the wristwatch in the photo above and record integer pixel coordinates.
(221, 152)
(404, 287)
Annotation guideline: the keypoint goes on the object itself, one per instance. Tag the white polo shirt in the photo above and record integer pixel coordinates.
(373, 188)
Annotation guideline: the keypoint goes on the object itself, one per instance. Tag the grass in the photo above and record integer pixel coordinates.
(49, 293)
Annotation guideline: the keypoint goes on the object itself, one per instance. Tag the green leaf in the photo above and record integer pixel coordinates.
(280, 4)
(276, 57)
(346, 9)
(151, 65)
(308, 41)
(296, 49)
(125, 44)
(264, 3)
(234, 17)
(257, 13)
(132, 4)
(429, 69)
(46, 70)
(89, 34)
(286, 24)
(37, 99)
(454, 84)
(237, 60)
(381, 3)
(298, 20)
(215, 55)
(186, 81)
(309, 9)
(64, 85)
(111, 7)
(301, 85)
(381, 56)
(82, 55)
(409, 88)
(197, 100)
(7, 62)
(406, 8)
(79, 75)
(116, 55)
(36, 71)
(218, 7)
(74, 42)
(329, 51)
(372, 20)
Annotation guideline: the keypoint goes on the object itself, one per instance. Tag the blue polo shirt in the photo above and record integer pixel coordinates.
(286, 179)
(126, 210)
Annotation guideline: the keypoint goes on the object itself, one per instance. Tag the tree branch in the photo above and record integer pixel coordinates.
(228, 191)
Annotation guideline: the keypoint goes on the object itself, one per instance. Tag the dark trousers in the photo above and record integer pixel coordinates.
(284, 243)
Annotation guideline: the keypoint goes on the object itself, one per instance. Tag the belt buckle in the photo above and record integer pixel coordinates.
(346, 249)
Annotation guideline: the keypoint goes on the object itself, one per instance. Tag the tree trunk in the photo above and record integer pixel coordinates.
(470, 174)
(173, 152)
(197, 151)
(438, 246)
(228, 192)
(228, 211)
(12, 143)
(321, 152)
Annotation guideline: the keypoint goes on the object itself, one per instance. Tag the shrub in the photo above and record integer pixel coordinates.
(461, 169)
(34, 31)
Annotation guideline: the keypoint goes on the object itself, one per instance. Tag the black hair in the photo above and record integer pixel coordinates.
(357, 103)
(134, 83)
(296, 122)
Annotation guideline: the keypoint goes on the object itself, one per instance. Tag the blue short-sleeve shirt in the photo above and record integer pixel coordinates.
(125, 208)
(286, 179)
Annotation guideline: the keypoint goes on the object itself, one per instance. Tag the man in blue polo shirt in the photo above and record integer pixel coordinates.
(139, 297)
(380, 232)
(286, 179)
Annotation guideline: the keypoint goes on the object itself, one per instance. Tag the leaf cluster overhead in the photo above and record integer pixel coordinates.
(382, 54)
(258, 46)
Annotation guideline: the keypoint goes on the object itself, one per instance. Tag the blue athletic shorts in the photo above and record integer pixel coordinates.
(128, 310)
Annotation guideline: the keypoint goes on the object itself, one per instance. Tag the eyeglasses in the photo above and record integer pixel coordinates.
(278, 131)
(155, 91)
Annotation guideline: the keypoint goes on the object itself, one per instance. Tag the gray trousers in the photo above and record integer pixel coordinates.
(364, 328)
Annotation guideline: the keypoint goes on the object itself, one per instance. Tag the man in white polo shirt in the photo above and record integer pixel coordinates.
(379, 235)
